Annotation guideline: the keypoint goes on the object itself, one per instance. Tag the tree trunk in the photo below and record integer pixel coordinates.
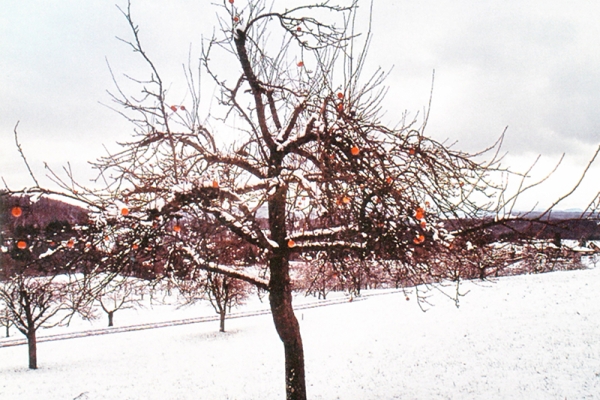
(280, 295)
(32, 344)
(482, 273)
(222, 317)
(7, 330)
(287, 326)
(110, 318)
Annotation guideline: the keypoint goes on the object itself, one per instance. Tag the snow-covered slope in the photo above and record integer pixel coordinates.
(523, 337)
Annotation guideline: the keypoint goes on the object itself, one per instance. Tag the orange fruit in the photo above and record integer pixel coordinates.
(419, 239)
(174, 108)
(16, 211)
(177, 228)
(70, 243)
(124, 211)
(345, 199)
(340, 107)
(21, 244)
(412, 152)
(389, 179)
(299, 29)
(215, 183)
(291, 243)
(419, 213)
(340, 95)
(423, 224)
(182, 108)
(230, 1)
(135, 246)
(301, 63)
(235, 19)
(354, 150)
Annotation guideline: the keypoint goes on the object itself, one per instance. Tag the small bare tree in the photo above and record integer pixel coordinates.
(198, 247)
(34, 303)
(5, 318)
(221, 291)
(316, 276)
(42, 272)
(224, 293)
(119, 293)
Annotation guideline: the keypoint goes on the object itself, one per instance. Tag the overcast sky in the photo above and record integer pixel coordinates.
(533, 66)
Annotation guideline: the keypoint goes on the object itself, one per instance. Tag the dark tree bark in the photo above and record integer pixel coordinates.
(287, 327)
(6, 321)
(222, 321)
(280, 298)
(110, 318)
(32, 345)
(223, 304)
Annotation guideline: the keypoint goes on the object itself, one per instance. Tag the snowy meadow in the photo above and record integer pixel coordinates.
(530, 336)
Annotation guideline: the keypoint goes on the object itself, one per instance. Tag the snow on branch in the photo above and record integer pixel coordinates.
(321, 246)
(225, 270)
(248, 231)
(323, 232)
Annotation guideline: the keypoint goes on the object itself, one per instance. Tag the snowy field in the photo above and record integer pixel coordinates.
(523, 337)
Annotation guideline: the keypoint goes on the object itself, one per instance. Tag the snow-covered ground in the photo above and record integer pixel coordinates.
(523, 337)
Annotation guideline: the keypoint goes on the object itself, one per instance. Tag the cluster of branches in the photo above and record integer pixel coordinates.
(482, 259)
(52, 269)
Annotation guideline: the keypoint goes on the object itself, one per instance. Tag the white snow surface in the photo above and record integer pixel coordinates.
(522, 337)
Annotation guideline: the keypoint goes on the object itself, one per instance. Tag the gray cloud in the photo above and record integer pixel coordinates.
(530, 65)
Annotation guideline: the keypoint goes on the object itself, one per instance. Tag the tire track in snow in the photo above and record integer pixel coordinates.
(187, 321)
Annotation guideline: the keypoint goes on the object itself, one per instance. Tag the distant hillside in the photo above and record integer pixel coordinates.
(576, 229)
(554, 215)
(39, 213)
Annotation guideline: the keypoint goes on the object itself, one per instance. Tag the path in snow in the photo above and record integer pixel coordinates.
(154, 325)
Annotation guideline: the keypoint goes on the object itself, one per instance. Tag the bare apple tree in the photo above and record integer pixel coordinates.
(311, 151)
(118, 293)
(222, 292)
(200, 245)
(37, 299)
(41, 280)
(312, 170)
